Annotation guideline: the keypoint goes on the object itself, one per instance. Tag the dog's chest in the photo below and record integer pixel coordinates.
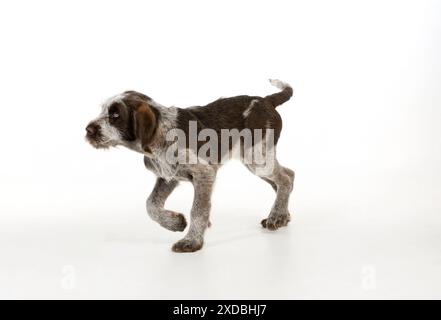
(161, 167)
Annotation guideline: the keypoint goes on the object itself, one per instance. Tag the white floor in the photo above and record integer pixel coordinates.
(349, 242)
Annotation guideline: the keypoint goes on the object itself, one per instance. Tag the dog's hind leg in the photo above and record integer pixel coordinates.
(155, 206)
(282, 181)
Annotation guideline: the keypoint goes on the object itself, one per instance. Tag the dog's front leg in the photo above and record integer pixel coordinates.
(200, 211)
(155, 206)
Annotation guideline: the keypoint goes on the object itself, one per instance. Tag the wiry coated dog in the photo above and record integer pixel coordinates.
(136, 121)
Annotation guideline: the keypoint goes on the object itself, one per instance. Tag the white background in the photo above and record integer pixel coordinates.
(362, 134)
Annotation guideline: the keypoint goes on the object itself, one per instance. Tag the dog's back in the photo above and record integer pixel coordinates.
(239, 112)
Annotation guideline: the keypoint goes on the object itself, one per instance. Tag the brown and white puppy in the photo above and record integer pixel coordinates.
(136, 121)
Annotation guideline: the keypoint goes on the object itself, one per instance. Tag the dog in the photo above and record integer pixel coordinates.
(137, 122)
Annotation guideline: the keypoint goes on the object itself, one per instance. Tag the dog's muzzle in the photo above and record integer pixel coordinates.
(93, 134)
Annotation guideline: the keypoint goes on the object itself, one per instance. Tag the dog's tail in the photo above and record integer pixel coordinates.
(278, 98)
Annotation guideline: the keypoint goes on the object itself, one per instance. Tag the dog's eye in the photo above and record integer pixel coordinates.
(114, 115)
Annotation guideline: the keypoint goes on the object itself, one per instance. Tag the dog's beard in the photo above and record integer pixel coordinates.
(101, 142)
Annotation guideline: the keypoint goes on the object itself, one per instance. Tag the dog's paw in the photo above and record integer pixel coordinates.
(274, 223)
(187, 245)
(175, 221)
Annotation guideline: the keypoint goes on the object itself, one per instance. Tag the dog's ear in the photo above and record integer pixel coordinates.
(145, 125)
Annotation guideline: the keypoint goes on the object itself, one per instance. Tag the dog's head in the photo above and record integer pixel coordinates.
(126, 119)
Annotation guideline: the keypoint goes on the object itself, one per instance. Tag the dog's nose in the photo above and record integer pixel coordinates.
(91, 129)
